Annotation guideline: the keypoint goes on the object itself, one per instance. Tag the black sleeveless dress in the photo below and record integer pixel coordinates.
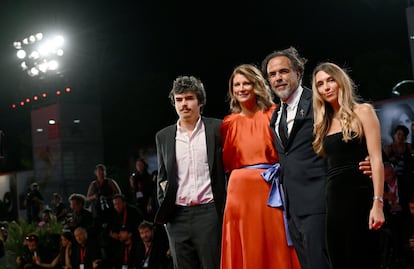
(350, 243)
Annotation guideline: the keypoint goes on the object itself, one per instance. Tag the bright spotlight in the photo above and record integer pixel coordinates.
(34, 55)
(43, 67)
(21, 54)
(40, 54)
(39, 36)
(53, 65)
(58, 40)
(32, 39)
(17, 45)
(24, 65)
(34, 71)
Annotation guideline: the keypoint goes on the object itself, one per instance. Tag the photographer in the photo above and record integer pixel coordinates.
(34, 203)
(30, 253)
(101, 192)
(142, 189)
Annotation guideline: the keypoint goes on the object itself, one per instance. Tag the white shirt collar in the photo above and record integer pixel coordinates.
(293, 101)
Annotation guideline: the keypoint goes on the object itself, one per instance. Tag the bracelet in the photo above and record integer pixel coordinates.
(378, 198)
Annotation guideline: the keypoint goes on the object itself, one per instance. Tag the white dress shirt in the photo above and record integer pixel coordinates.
(193, 176)
(291, 110)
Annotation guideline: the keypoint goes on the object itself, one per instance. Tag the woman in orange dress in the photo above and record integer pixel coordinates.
(254, 234)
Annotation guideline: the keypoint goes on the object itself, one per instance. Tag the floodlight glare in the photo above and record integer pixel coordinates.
(21, 54)
(34, 71)
(34, 55)
(58, 40)
(39, 36)
(40, 54)
(24, 65)
(17, 45)
(45, 48)
(32, 39)
(43, 67)
(53, 65)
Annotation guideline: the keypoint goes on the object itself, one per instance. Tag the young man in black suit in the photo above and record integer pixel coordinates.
(191, 181)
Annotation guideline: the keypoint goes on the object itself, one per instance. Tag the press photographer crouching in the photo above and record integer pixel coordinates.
(31, 250)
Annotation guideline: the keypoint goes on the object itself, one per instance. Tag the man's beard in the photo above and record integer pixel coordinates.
(284, 94)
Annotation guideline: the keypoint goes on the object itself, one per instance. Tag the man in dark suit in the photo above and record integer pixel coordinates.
(191, 180)
(303, 172)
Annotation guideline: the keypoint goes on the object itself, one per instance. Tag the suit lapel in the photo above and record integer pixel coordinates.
(170, 154)
(273, 125)
(209, 131)
(303, 111)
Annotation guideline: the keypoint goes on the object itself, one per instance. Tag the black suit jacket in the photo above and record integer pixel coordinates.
(167, 170)
(303, 172)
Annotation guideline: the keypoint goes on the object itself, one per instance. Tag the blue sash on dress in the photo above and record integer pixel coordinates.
(276, 195)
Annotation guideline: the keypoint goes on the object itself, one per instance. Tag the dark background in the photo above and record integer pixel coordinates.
(125, 55)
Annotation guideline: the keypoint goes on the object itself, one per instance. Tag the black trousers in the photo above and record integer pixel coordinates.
(195, 237)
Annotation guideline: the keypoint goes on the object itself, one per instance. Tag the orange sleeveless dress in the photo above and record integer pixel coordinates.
(253, 233)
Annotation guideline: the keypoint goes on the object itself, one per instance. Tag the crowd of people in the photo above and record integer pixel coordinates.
(293, 177)
(103, 228)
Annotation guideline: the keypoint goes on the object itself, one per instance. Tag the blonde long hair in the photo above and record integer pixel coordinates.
(260, 87)
(323, 112)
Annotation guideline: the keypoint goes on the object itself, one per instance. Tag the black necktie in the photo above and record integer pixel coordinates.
(283, 129)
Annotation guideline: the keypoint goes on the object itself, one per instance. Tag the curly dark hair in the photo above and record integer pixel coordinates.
(184, 84)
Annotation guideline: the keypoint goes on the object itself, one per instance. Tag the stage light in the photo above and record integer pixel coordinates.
(40, 54)
(43, 67)
(32, 39)
(58, 40)
(21, 54)
(17, 45)
(39, 36)
(24, 65)
(53, 65)
(34, 55)
(33, 71)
